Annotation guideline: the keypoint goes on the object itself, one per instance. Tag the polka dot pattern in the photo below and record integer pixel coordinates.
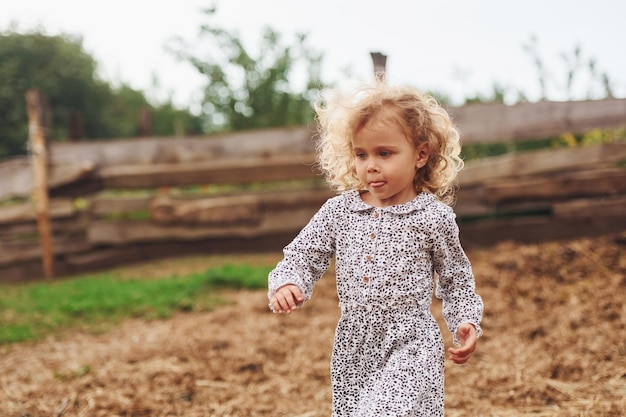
(388, 354)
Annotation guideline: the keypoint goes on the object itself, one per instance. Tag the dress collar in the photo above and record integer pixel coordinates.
(354, 202)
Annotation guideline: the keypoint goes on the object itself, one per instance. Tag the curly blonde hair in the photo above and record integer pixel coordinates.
(420, 115)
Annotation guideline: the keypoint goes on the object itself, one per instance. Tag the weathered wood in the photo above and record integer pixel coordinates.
(99, 205)
(104, 257)
(221, 211)
(10, 254)
(232, 209)
(536, 229)
(121, 233)
(216, 172)
(470, 201)
(478, 123)
(25, 212)
(61, 226)
(485, 207)
(17, 176)
(72, 162)
(497, 122)
(280, 199)
(20, 242)
(590, 208)
(287, 199)
(558, 187)
(37, 130)
(540, 162)
(261, 143)
(109, 257)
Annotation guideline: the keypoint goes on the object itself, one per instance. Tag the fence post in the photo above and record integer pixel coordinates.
(380, 65)
(37, 131)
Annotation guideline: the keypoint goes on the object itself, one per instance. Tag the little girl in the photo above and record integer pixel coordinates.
(393, 153)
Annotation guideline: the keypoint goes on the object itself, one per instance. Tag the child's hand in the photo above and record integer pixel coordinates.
(286, 299)
(467, 337)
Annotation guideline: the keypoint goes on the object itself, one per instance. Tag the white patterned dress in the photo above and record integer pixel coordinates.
(388, 353)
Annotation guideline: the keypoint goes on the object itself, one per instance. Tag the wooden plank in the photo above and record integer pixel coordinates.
(541, 162)
(231, 209)
(25, 212)
(497, 122)
(280, 199)
(262, 143)
(140, 252)
(61, 226)
(478, 123)
(123, 233)
(16, 178)
(536, 229)
(101, 205)
(215, 172)
(102, 258)
(470, 201)
(12, 254)
(19, 242)
(18, 182)
(283, 200)
(591, 207)
(241, 209)
(558, 187)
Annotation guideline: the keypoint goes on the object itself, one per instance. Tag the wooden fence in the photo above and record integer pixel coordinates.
(530, 196)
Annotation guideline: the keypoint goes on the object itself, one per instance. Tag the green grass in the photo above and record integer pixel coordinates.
(96, 302)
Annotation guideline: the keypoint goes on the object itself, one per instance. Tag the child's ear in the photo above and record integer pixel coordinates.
(422, 155)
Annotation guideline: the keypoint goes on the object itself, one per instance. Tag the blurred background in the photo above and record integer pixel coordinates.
(156, 156)
(201, 66)
(168, 128)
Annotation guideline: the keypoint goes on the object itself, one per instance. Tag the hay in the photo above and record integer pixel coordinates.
(554, 346)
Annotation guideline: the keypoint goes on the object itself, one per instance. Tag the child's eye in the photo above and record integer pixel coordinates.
(385, 153)
(360, 155)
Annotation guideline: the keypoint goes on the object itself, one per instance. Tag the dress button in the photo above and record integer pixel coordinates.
(366, 279)
(368, 258)
(376, 214)
(373, 236)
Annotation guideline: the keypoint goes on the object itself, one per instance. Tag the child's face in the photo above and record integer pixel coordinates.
(386, 163)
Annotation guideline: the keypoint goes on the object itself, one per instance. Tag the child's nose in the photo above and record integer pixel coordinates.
(372, 166)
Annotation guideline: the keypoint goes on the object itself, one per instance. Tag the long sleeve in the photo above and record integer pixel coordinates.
(308, 256)
(455, 281)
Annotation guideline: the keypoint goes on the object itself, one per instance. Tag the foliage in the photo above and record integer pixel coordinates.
(81, 105)
(31, 311)
(57, 66)
(577, 69)
(593, 137)
(575, 76)
(245, 90)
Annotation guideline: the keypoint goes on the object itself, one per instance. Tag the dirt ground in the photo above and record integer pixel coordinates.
(554, 345)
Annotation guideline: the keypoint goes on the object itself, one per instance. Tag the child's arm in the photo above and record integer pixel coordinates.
(306, 258)
(456, 285)
(467, 336)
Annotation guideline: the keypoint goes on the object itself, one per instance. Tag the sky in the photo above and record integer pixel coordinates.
(460, 48)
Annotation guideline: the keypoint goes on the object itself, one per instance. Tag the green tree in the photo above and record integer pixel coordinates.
(58, 67)
(82, 106)
(246, 90)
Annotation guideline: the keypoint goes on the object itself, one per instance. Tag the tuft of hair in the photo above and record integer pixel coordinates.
(420, 115)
